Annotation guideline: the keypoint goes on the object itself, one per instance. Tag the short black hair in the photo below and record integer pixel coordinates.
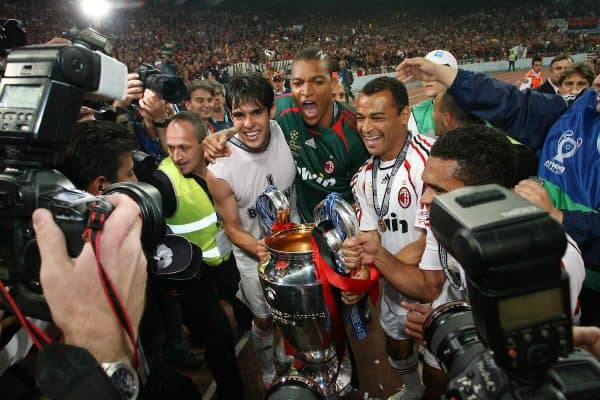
(95, 150)
(449, 105)
(199, 84)
(484, 155)
(199, 126)
(561, 57)
(384, 83)
(536, 59)
(313, 53)
(250, 88)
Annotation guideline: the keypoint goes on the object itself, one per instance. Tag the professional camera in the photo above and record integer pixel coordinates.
(170, 87)
(516, 341)
(40, 97)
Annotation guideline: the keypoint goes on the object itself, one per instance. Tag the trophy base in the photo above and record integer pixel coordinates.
(333, 383)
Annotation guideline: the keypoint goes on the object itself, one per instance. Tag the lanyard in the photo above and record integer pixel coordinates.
(381, 212)
(453, 277)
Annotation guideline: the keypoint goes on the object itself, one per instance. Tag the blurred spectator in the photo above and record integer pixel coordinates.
(533, 78)
(278, 83)
(557, 66)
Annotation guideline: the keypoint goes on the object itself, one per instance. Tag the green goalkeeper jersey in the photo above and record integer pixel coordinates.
(326, 158)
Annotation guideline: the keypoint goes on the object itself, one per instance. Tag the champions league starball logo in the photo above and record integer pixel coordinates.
(566, 148)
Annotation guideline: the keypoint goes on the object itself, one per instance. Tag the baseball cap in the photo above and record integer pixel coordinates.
(442, 57)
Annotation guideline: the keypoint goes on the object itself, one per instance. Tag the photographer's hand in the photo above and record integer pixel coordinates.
(73, 289)
(135, 91)
(153, 107)
(588, 338)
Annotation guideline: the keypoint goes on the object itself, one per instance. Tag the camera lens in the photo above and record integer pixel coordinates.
(451, 336)
(149, 200)
(171, 88)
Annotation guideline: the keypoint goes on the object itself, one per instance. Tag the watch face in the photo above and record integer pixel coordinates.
(125, 380)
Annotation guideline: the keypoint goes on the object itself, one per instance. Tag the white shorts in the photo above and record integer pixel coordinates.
(392, 318)
(251, 293)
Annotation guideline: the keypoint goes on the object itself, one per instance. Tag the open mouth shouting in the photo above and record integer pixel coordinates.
(310, 109)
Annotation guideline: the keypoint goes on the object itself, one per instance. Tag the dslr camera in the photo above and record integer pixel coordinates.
(40, 96)
(514, 340)
(172, 88)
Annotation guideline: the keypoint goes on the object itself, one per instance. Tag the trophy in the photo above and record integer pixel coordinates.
(294, 294)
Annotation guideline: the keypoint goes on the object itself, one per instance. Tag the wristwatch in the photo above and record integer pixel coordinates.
(124, 378)
(162, 124)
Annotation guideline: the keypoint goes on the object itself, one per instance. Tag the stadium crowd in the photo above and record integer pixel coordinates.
(195, 39)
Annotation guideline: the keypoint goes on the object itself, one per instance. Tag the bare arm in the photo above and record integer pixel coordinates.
(401, 270)
(227, 208)
(412, 252)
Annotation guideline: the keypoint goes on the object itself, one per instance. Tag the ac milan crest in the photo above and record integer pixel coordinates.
(404, 197)
(329, 167)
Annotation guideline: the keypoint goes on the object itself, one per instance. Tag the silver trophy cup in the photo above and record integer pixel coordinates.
(295, 297)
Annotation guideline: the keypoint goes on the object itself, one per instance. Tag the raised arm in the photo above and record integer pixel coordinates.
(525, 115)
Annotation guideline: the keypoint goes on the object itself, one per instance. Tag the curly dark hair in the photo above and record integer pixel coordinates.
(484, 155)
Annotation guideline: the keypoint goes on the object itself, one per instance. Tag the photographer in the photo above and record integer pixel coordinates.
(465, 157)
(79, 307)
(566, 137)
(99, 155)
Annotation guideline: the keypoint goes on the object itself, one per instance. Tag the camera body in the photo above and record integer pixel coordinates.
(40, 97)
(42, 90)
(508, 344)
(170, 87)
(22, 191)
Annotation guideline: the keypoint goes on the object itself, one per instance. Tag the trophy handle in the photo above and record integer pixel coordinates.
(340, 213)
(272, 207)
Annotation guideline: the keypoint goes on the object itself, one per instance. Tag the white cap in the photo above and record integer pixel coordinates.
(442, 57)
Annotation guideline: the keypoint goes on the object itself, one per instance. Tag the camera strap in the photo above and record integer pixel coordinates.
(37, 334)
(99, 212)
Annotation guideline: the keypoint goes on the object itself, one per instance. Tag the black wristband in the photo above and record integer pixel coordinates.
(162, 124)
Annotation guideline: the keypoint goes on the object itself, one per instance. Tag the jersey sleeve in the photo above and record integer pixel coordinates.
(366, 214)
(221, 170)
(430, 261)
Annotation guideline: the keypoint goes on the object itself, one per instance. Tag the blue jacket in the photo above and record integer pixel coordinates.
(567, 139)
